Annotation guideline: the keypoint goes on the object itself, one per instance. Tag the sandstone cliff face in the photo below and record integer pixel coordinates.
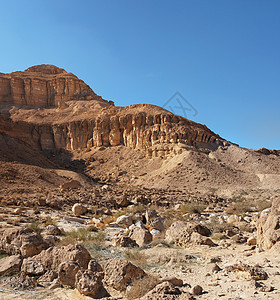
(43, 86)
(86, 124)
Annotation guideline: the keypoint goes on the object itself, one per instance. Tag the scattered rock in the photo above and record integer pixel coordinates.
(247, 272)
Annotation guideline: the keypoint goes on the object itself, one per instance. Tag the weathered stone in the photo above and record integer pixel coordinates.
(141, 236)
(53, 257)
(121, 273)
(124, 221)
(268, 226)
(67, 272)
(247, 272)
(32, 267)
(78, 209)
(89, 283)
(94, 266)
(20, 240)
(10, 265)
(51, 230)
(125, 241)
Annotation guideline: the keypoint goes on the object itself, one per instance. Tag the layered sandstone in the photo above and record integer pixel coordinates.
(43, 86)
(95, 122)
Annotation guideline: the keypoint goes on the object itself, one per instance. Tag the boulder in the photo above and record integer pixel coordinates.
(10, 265)
(233, 219)
(124, 221)
(32, 267)
(196, 290)
(167, 291)
(124, 241)
(78, 209)
(182, 234)
(179, 233)
(94, 266)
(89, 283)
(141, 236)
(198, 239)
(157, 224)
(51, 230)
(53, 257)
(121, 273)
(20, 240)
(67, 272)
(268, 226)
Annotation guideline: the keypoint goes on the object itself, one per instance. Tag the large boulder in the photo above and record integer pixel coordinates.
(53, 257)
(141, 236)
(89, 283)
(182, 234)
(119, 274)
(10, 265)
(67, 272)
(268, 226)
(32, 267)
(21, 240)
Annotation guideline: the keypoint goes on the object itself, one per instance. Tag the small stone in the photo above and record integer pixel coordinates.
(196, 290)
(78, 209)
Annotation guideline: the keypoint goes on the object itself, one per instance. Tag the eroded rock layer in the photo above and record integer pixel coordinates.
(43, 86)
(89, 122)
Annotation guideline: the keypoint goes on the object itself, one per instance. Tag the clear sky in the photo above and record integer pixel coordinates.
(223, 56)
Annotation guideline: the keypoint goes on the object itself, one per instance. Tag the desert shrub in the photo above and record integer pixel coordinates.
(35, 226)
(136, 257)
(84, 236)
(49, 221)
(217, 236)
(192, 208)
(262, 204)
(141, 287)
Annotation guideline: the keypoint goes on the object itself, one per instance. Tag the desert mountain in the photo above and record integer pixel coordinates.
(50, 118)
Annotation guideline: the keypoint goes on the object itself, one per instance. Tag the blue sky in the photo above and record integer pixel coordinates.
(223, 56)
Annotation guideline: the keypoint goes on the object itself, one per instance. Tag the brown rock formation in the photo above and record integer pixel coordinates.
(84, 124)
(43, 86)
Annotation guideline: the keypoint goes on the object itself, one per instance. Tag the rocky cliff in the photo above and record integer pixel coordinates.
(90, 122)
(43, 86)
